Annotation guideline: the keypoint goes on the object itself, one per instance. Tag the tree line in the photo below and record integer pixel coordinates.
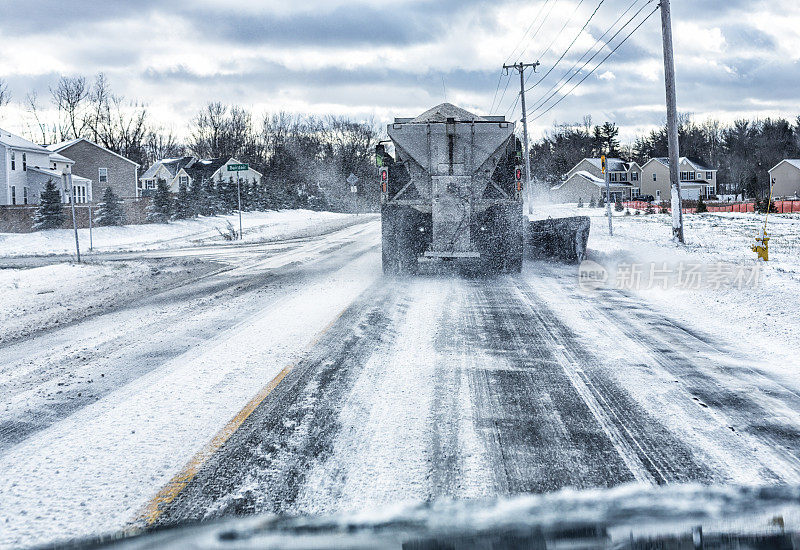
(304, 160)
(742, 151)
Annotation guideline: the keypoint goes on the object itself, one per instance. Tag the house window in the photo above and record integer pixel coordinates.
(102, 175)
(151, 184)
(699, 176)
(24, 162)
(612, 177)
(709, 176)
(623, 176)
(54, 166)
(13, 194)
(24, 195)
(183, 180)
(658, 194)
(634, 176)
(13, 160)
(688, 176)
(654, 177)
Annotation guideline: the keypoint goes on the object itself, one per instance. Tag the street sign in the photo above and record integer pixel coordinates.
(238, 167)
(353, 189)
(352, 179)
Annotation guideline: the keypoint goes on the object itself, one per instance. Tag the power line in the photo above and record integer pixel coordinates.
(555, 37)
(519, 43)
(544, 20)
(497, 89)
(598, 65)
(541, 8)
(570, 46)
(543, 100)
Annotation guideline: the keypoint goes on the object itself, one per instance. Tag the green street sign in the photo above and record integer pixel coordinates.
(238, 167)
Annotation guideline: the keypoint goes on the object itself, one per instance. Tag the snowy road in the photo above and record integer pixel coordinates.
(369, 391)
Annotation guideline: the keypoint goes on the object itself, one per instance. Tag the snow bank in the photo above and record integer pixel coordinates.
(257, 227)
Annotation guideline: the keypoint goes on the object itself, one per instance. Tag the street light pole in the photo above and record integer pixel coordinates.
(74, 219)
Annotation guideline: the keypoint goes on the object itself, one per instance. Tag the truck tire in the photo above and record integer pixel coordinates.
(389, 240)
(514, 239)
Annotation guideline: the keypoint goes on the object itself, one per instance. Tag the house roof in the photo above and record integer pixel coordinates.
(57, 147)
(792, 162)
(57, 174)
(695, 163)
(60, 158)
(599, 182)
(613, 164)
(17, 142)
(173, 166)
(205, 168)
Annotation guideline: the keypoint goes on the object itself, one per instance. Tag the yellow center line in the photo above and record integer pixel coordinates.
(154, 508)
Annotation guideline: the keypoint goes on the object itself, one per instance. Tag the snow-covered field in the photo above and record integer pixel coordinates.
(257, 227)
(763, 320)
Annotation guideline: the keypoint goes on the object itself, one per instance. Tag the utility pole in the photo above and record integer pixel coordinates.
(607, 178)
(520, 67)
(672, 123)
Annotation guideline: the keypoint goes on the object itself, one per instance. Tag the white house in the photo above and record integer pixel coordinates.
(583, 185)
(189, 170)
(26, 167)
(586, 179)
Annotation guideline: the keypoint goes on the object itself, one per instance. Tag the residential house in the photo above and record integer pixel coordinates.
(583, 185)
(103, 167)
(697, 179)
(785, 178)
(26, 167)
(582, 181)
(189, 170)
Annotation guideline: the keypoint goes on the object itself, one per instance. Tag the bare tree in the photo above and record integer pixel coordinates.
(99, 113)
(69, 96)
(48, 135)
(5, 95)
(160, 145)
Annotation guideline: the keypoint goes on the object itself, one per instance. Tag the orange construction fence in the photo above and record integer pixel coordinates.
(781, 206)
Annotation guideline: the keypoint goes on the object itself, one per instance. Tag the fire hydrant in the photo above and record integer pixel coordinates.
(762, 249)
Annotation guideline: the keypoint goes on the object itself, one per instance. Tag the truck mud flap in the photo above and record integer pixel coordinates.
(557, 239)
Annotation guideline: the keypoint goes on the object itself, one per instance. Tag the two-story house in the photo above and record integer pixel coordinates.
(784, 178)
(26, 167)
(189, 170)
(697, 179)
(103, 167)
(586, 179)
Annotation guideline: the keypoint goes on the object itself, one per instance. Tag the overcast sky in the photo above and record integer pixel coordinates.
(367, 59)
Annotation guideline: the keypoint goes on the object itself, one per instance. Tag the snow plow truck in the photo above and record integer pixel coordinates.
(452, 192)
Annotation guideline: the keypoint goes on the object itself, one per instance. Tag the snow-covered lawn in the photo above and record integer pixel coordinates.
(257, 227)
(54, 295)
(763, 320)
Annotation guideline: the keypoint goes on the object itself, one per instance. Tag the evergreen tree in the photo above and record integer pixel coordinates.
(618, 206)
(110, 212)
(182, 207)
(701, 206)
(580, 202)
(207, 203)
(50, 214)
(592, 202)
(160, 209)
